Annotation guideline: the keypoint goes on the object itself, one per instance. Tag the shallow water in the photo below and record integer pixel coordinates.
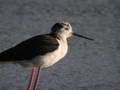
(89, 65)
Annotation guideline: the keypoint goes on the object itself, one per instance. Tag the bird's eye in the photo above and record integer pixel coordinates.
(66, 29)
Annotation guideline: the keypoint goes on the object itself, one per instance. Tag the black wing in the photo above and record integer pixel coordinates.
(38, 45)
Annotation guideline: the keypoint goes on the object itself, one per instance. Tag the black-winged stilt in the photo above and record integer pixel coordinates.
(41, 51)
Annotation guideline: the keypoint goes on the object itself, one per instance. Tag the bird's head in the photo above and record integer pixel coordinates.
(64, 30)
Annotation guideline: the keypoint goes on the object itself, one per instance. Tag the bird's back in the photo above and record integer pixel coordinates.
(28, 49)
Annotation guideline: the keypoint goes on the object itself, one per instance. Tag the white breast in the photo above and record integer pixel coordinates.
(53, 57)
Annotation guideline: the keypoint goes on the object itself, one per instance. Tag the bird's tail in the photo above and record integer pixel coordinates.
(8, 62)
(5, 60)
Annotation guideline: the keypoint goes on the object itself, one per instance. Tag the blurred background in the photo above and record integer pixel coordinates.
(89, 65)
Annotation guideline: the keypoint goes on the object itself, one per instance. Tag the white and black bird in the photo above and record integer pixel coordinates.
(41, 51)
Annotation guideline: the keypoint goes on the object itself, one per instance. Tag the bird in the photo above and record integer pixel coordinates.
(41, 51)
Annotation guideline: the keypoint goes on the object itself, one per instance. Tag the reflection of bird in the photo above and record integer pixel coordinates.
(41, 51)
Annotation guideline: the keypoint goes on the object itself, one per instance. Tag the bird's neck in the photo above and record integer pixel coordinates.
(63, 39)
(60, 37)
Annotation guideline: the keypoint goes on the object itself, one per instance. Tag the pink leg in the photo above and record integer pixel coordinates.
(31, 79)
(37, 78)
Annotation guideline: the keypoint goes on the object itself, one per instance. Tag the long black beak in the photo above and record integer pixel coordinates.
(78, 35)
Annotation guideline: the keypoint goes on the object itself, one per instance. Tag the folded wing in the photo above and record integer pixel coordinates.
(28, 49)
